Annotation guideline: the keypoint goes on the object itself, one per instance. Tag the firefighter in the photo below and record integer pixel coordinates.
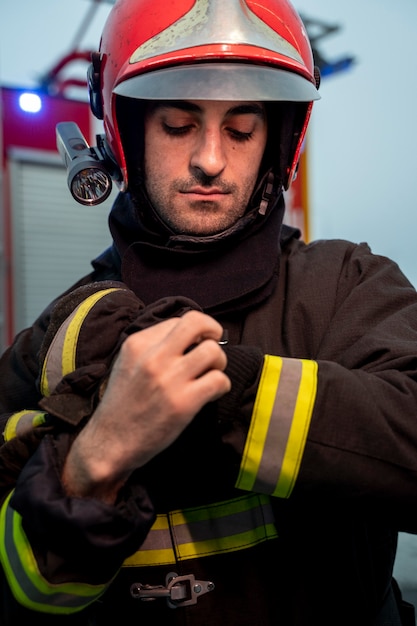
(217, 424)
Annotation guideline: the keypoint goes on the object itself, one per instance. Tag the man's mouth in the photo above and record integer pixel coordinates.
(205, 193)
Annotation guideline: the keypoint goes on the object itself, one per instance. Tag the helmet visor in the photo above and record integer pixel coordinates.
(219, 81)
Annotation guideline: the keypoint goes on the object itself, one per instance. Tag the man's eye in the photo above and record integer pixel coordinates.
(239, 135)
(176, 130)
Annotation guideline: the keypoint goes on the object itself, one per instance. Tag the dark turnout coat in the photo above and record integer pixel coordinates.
(280, 503)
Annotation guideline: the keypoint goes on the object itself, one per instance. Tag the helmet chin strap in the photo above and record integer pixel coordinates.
(270, 186)
(269, 193)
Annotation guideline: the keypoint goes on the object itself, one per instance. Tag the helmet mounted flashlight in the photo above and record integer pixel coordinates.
(88, 177)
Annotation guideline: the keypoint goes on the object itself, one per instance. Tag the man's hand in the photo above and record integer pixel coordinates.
(157, 385)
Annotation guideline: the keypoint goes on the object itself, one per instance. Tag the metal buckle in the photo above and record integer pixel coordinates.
(178, 590)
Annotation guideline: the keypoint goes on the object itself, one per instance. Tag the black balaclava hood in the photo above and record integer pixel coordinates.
(236, 268)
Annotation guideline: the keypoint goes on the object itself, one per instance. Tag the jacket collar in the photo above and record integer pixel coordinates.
(237, 269)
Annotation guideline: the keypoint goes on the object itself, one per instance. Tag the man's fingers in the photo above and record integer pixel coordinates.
(205, 356)
(176, 336)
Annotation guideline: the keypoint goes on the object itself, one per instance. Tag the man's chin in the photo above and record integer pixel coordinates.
(201, 228)
(198, 219)
(205, 220)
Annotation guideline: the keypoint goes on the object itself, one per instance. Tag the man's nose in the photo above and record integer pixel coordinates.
(208, 154)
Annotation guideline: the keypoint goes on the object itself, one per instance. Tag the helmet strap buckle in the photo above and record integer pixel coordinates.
(267, 194)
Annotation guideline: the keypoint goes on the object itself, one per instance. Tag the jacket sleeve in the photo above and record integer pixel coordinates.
(337, 419)
(58, 553)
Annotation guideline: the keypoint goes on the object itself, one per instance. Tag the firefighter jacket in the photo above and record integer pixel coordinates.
(281, 502)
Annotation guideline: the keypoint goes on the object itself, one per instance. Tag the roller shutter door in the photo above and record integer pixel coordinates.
(54, 238)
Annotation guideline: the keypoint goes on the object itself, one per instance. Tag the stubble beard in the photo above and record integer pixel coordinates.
(200, 217)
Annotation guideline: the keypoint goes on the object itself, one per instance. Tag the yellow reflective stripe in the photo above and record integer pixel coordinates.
(261, 416)
(26, 582)
(279, 426)
(146, 557)
(11, 425)
(61, 356)
(22, 422)
(198, 532)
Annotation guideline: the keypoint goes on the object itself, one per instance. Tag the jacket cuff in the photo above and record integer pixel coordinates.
(87, 533)
(280, 424)
(234, 410)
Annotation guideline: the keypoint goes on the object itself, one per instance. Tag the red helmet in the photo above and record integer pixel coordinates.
(204, 50)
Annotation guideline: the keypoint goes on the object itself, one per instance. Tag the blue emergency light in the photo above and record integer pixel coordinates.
(30, 102)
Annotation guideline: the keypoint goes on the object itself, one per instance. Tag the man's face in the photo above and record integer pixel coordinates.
(202, 160)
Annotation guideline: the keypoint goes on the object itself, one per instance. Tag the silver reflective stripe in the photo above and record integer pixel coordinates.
(52, 366)
(208, 22)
